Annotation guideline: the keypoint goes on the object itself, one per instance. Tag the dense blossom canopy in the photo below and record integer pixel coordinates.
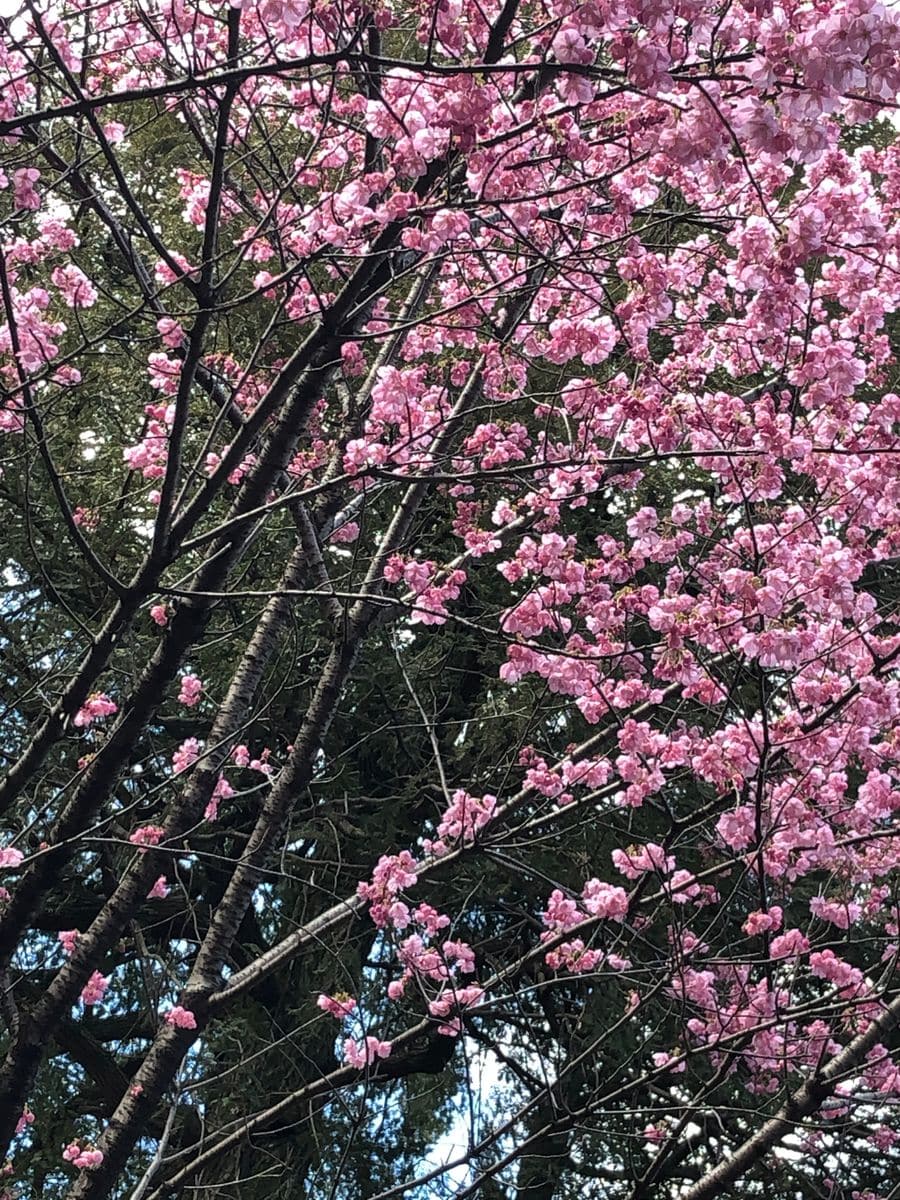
(451, 515)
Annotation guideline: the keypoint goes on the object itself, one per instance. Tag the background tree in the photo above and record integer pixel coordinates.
(451, 512)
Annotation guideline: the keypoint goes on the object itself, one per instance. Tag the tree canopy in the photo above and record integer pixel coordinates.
(449, 611)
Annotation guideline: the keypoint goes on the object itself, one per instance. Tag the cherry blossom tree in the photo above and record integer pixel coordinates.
(449, 610)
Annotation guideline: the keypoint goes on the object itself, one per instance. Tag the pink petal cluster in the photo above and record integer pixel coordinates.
(605, 900)
(67, 939)
(149, 455)
(97, 705)
(340, 1007)
(86, 1158)
(159, 613)
(364, 1053)
(170, 331)
(186, 755)
(181, 1018)
(74, 286)
(763, 922)
(454, 1001)
(25, 195)
(393, 873)
(189, 693)
(147, 835)
(26, 1119)
(461, 821)
(222, 791)
(94, 990)
(10, 857)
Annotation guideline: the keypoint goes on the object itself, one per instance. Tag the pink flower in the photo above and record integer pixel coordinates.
(97, 705)
(634, 861)
(455, 1000)
(24, 194)
(147, 835)
(164, 273)
(642, 521)
(392, 874)
(10, 857)
(181, 1018)
(88, 518)
(562, 913)
(86, 1158)
(75, 287)
(191, 687)
(160, 889)
(572, 956)
(790, 944)
(605, 900)
(736, 828)
(170, 331)
(26, 1119)
(568, 47)
(760, 922)
(94, 990)
(360, 1054)
(348, 532)
(67, 939)
(262, 763)
(662, 1059)
(288, 13)
(825, 964)
(463, 819)
(160, 614)
(186, 755)
(843, 914)
(339, 1006)
(222, 791)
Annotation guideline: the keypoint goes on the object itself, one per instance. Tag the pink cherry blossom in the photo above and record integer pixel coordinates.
(365, 1053)
(170, 331)
(25, 195)
(222, 791)
(186, 755)
(340, 1007)
(67, 939)
(493, 404)
(191, 687)
(94, 990)
(86, 1158)
(159, 613)
(147, 835)
(605, 900)
(26, 1119)
(10, 857)
(74, 286)
(462, 820)
(97, 705)
(761, 922)
(180, 1018)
